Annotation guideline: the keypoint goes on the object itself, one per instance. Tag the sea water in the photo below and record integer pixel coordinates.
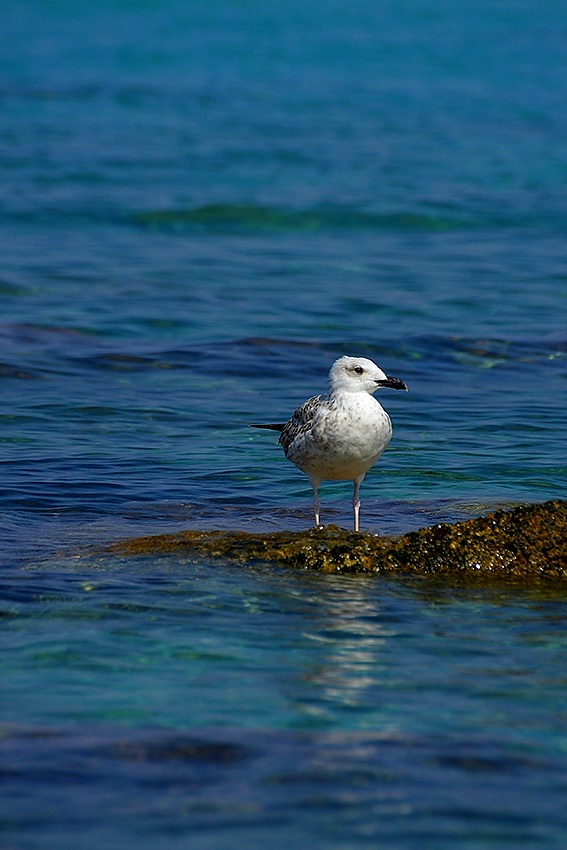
(203, 205)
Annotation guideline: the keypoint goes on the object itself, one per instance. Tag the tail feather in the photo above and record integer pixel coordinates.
(279, 426)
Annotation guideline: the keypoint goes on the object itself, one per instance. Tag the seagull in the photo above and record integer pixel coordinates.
(339, 436)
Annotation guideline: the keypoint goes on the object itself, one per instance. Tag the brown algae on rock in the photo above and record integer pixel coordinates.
(530, 540)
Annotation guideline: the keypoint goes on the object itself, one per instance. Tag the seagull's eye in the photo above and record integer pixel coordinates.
(358, 369)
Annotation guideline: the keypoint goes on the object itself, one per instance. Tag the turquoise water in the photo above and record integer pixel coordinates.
(203, 205)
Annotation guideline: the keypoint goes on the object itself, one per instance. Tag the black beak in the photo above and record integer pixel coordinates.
(393, 383)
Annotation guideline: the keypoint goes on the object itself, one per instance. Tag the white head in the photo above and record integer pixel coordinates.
(359, 375)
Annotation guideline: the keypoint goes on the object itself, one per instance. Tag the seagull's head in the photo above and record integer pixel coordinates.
(360, 375)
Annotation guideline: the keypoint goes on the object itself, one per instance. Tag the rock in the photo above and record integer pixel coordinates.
(530, 540)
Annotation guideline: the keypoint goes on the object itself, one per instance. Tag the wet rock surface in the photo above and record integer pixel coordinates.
(528, 541)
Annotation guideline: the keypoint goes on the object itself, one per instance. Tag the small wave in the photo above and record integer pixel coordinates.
(252, 218)
(13, 370)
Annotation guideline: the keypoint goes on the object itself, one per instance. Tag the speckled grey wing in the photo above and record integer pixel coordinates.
(301, 421)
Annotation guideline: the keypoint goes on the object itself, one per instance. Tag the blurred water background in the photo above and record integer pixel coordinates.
(202, 206)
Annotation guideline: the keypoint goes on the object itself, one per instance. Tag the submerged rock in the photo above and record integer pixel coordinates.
(527, 541)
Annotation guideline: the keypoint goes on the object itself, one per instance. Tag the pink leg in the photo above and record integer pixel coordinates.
(315, 484)
(356, 502)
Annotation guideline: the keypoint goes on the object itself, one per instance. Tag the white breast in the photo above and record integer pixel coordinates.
(347, 436)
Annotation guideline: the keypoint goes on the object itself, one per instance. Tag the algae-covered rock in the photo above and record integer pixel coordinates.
(527, 541)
